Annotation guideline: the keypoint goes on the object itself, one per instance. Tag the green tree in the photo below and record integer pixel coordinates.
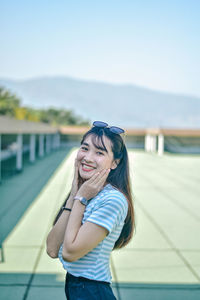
(62, 117)
(8, 102)
(10, 106)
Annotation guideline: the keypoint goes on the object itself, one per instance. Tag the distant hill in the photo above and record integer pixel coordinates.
(122, 105)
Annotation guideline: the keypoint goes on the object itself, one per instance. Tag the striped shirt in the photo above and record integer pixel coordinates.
(108, 209)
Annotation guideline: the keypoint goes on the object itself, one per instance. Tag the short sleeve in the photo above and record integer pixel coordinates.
(111, 211)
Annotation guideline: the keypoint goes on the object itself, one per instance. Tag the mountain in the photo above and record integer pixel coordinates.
(121, 105)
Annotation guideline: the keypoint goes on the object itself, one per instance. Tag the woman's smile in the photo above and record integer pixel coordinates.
(87, 168)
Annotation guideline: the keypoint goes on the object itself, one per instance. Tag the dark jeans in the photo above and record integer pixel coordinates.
(80, 288)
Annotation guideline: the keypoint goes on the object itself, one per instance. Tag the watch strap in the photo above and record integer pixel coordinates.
(83, 200)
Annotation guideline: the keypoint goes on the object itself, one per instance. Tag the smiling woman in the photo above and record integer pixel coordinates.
(92, 159)
(97, 216)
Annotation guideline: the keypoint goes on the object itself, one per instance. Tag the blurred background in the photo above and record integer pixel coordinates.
(132, 64)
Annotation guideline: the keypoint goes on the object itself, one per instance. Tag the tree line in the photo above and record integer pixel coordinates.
(10, 105)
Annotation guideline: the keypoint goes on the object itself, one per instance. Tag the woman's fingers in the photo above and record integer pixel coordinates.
(93, 178)
(101, 181)
(76, 164)
(92, 186)
(101, 178)
(76, 173)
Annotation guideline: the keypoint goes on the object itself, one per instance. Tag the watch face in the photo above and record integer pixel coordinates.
(83, 201)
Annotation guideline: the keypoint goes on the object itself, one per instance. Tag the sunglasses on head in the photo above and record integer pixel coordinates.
(113, 129)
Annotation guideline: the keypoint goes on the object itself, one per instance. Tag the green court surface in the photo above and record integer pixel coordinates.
(162, 262)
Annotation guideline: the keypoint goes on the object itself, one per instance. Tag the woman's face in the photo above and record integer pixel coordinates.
(92, 159)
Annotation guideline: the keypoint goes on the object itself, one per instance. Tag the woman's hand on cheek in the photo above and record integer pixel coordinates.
(75, 181)
(93, 186)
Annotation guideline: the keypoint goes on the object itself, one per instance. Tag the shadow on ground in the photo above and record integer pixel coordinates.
(17, 192)
(48, 287)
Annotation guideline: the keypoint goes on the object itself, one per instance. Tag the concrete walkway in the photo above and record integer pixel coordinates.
(161, 262)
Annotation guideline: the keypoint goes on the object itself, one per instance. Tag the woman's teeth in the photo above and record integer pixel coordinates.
(87, 167)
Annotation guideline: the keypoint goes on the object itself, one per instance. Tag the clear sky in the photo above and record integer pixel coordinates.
(151, 43)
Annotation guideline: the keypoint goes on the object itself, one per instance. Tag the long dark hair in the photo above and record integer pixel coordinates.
(118, 177)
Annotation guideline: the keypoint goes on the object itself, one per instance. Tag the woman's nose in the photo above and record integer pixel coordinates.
(88, 157)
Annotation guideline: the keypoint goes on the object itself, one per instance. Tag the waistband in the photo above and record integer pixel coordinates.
(71, 277)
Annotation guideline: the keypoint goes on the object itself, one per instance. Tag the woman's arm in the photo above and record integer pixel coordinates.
(56, 235)
(80, 239)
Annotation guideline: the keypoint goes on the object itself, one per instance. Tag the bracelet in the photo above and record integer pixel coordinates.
(65, 208)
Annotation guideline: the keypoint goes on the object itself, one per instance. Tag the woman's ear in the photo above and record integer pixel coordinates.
(115, 164)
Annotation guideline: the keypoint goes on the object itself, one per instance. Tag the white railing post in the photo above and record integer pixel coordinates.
(19, 154)
(153, 143)
(32, 148)
(58, 141)
(54, 141)
(41, 145)
(160, 144)
(147, 142)
(47, 145)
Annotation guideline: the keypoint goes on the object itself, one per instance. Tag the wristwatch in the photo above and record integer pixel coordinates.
(83, 200)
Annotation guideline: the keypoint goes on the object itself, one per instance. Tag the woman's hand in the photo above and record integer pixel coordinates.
(76, 179)
(94, 185)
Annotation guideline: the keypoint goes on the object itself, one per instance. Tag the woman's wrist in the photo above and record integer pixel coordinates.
(70, 202)
(72, 195)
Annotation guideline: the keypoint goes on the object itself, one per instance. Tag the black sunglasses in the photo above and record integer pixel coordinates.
(113, 129)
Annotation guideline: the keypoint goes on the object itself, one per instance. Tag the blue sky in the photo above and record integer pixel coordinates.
(155, 44)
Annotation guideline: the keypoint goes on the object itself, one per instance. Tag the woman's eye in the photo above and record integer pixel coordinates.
(100, 153)
(84, 148)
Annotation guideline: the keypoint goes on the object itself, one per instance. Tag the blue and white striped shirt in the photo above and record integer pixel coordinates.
(108, 209)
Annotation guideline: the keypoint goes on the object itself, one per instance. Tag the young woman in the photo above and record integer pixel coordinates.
(97, 216)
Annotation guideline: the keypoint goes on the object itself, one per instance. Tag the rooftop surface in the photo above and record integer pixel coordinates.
(161, 262)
